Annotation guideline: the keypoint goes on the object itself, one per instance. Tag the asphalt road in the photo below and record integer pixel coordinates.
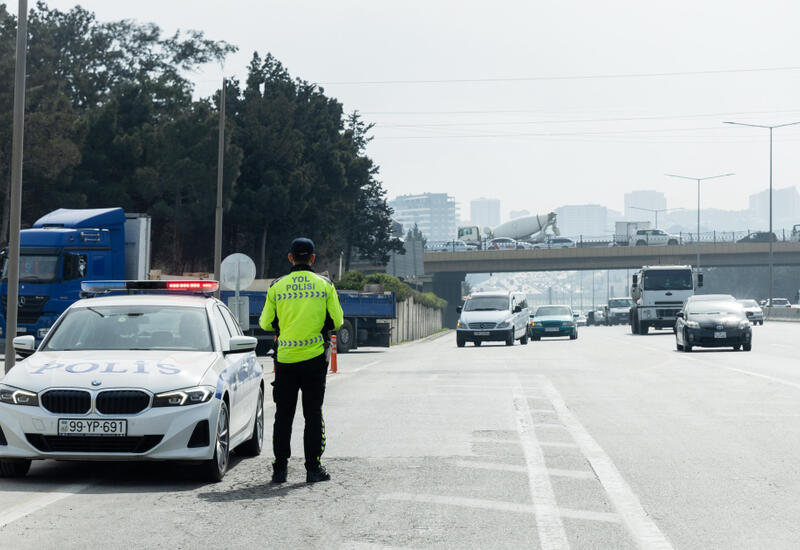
(609, 441)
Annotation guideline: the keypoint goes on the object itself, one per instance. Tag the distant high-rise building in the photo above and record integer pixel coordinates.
(519, 213)
(485, 212)
(785, 206)
(587, 220)
(652, 200)
(434, 213)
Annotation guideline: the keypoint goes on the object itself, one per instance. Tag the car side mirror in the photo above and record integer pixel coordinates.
(699, 280)
(679, 315)
(25, 346)
(459, 309)
(575, 316)
(241, 344)
(517, 309)
(635, 281)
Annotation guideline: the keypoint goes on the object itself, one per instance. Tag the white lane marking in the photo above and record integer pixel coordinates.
(758, 375)
(609, 517)
(502, 467)
(641, 526)
(558, 444)
(37, 501)
(494, 440)
(498, 466)
(548, 520)
(484, 387)
(503, 506)
(549, 425)
(370, 546)
(543, 411)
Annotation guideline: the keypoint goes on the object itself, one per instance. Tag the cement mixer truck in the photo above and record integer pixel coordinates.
(530, 229)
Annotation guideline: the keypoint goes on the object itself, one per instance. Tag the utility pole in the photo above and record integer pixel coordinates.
(220, 172)
(15, 194)
(771, 128)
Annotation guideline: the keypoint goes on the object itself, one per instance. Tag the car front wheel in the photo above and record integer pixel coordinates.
(217, 466)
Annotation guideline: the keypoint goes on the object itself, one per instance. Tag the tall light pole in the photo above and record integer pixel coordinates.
(698, 180)
(655, 211)
(15, 191)
(772, 127)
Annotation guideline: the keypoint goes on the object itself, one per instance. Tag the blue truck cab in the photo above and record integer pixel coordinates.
(66, 247)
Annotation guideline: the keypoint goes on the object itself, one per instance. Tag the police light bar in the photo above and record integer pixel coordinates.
(102, 287)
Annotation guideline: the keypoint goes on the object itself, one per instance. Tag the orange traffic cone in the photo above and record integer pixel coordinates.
(334, 362)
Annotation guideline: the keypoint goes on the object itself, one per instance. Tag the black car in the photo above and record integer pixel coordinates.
(713, 324)
(759, 237)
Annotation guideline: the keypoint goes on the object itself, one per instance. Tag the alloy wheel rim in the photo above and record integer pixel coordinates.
(260, 419)
(222, 440)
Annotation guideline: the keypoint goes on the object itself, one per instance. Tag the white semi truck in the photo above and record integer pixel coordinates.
(659, 293)
(530, 229)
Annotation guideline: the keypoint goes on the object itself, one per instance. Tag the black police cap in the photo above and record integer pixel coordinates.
(302, 247)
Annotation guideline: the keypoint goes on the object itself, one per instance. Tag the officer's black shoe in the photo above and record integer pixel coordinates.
(318, 474)
(279, 473)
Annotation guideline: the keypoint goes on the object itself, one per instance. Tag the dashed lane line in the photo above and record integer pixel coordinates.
(548, 519)
(501, 467)
(503, 506)
(37, 501)
(643, 529)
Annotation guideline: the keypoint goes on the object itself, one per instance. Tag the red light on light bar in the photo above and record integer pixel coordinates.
(205, 286)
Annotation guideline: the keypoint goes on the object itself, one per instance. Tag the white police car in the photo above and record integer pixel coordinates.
(164, 375)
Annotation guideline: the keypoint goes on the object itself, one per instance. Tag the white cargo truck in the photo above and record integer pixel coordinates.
(659, 293)
(624, 232)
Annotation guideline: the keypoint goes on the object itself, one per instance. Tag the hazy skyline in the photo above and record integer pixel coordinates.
(488, 112)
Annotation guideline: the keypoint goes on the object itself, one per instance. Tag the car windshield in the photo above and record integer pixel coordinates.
(668, 279)
(716, 308)
(780, 302)
(486, 303)
(620, 302)
(132, 328)
(748, 303)
(547, 311)
(35, 268)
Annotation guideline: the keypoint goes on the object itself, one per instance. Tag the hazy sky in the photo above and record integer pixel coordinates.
(506, 129)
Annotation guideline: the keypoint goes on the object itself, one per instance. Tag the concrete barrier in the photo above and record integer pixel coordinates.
(782, 314)
(414, 321)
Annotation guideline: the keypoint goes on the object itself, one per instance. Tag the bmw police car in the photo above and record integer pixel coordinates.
(160, 375)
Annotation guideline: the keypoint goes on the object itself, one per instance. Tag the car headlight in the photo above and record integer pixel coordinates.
(692, 324)
(566, 324)
(459, 324)
(188, 396)
(504, 324)
(16, 396)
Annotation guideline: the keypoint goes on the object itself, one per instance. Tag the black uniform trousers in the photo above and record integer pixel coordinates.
(308, 377)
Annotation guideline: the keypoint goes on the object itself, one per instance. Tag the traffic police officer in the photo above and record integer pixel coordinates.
(301, 307)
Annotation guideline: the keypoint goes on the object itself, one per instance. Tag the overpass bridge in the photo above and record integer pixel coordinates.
(450, 268)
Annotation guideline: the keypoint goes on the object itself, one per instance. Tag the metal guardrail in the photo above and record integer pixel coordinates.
(587, 241)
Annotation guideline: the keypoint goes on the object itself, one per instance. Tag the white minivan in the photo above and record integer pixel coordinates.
(493, 317)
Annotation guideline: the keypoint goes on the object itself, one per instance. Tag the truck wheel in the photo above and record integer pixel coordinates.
(344, 337)
(747, 347)
(644, 328)
(460, 341)
(634, 323)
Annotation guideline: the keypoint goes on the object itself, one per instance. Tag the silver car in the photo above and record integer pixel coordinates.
(493, 316)
(753, 311)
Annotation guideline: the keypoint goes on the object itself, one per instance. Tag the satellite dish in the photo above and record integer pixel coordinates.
(237, 272)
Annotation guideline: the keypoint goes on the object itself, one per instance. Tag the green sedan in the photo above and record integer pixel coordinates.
(552, 321)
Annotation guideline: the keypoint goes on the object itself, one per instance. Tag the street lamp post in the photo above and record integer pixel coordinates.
(771, 128)
(655, 211)
(698, 180)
